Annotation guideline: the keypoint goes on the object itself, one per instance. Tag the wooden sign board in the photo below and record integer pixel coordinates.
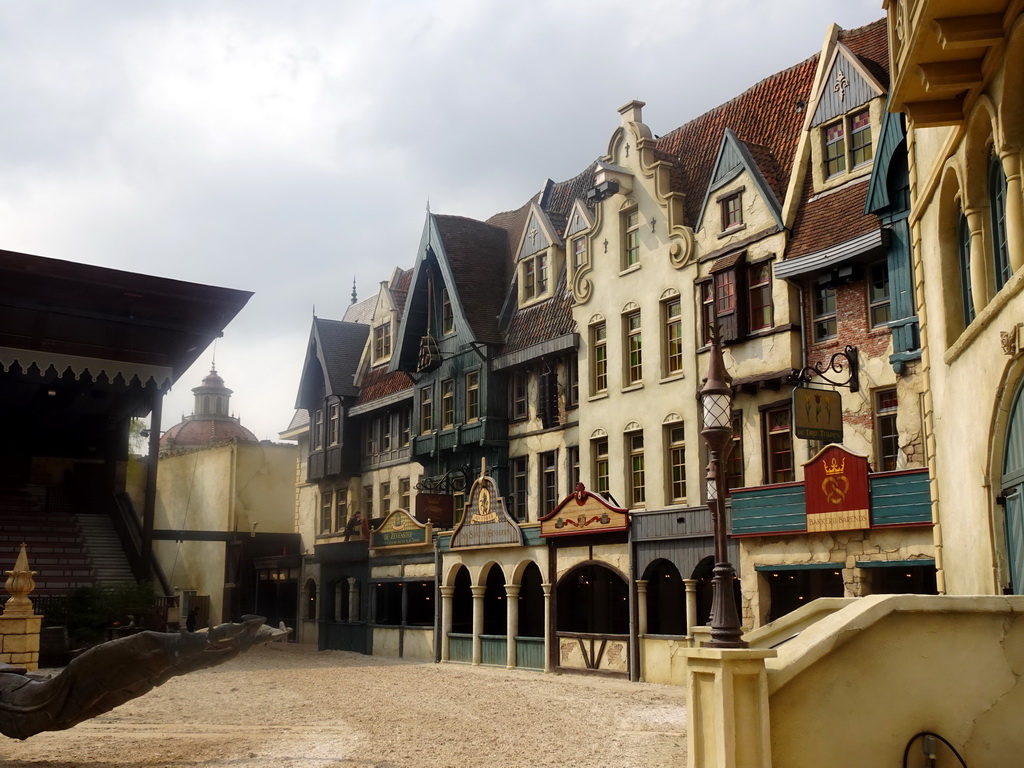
(818, 414)
(400, 529)
(486, 522)
(583, 512)
(437, 508)
(836, 491)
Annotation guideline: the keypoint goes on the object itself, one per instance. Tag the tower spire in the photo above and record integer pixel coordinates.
(354, 298)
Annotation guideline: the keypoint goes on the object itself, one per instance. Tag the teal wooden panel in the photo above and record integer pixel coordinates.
(1015, 538)
(900, 498)
(460, 648)
(530, 652)
(770, 509)
(494, 650)
(1013, 466)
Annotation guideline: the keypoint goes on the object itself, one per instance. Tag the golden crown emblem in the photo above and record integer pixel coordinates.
(835, 468)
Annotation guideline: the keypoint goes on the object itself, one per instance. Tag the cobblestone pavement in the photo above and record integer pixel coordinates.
(290, 706)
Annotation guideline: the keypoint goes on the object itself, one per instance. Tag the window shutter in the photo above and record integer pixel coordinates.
(548, 399)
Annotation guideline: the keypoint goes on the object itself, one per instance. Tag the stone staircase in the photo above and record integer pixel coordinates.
(105, 550)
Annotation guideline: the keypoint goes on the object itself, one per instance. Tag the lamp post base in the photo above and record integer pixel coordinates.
(725, 622)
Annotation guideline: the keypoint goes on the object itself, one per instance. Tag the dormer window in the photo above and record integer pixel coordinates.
(579, 252)
(837, 155)
(382, 341)
(732, 211)
(535, 276)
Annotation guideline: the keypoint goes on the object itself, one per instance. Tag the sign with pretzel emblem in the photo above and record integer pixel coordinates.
(836, 491)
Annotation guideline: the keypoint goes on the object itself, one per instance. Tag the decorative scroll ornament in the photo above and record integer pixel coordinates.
(1010, 341)
(835, 365)
(841, 84)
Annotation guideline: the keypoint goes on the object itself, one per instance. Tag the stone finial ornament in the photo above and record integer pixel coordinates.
(20, 584)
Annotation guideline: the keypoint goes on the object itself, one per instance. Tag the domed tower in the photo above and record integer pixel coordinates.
(210, 422)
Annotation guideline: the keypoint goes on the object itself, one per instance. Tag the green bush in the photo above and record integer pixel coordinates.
(90, 612)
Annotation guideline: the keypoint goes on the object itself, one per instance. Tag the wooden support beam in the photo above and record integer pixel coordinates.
(931, 114)
(954, 76)
(981, 30)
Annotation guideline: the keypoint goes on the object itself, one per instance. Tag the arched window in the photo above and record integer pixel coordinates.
(997, 205)
(963, 241)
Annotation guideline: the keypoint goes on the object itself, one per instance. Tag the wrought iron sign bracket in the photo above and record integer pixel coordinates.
(835, 366)
(453, 481)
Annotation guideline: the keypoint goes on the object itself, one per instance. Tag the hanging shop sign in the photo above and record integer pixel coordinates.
(438, 508)
(400, 529)
(818, 414)
(486, 522)
(836, 491)
(583, 512)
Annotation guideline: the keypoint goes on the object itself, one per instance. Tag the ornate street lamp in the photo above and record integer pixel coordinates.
(716, 401)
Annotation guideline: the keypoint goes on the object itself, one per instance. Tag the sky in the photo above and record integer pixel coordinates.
(290, 149)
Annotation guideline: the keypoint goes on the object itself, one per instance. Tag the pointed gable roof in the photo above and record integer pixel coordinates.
(332, 358)
(735, 157)
(768, 116)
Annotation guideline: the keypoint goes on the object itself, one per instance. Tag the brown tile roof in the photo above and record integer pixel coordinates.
(870, 43)
(513, 223)
(479, 257)
(541, 322)
(400, 290)
(765, 115)
(379, 382)
(561, 196)
(830, 219)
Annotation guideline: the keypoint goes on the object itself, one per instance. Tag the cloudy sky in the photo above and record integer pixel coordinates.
(289, 148)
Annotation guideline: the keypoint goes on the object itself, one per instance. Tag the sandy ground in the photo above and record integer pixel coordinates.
(289, 706)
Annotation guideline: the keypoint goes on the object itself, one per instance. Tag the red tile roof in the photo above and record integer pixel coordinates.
(379, 383)
(767, 115)
(830, 219)
(541, 322)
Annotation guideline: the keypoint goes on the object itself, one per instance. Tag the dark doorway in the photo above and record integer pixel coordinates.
(495, 603)
(593, 599)
(531, 603)
(462, 603)
(792, 589)
(666, 599)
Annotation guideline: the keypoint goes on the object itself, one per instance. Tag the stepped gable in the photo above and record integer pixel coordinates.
(541, 322)
(341, 345)
(478, 256)
(815, 227)
(768, 115)
(379, 382)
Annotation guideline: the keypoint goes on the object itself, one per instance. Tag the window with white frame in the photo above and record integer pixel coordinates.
(385, 498)
(599, 358)
(535, 276)
(886, 435)
(447, 403)
(548, 481)
(519, 466)
(404, 493)
(676, 454)
(326, 511)
(599, 452)
(634, 348)
(472, 396)
(572, 456)
(759, 296)
(778, 439)
(672, 316)
(334, 424)
(823, 311)
(579, 252)
(520, 388)
(879, 312)
(447, 314)
(637, 481)
(382, 341)
(426, 410)
(630, 238)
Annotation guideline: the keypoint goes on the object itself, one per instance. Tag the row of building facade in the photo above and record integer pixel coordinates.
(500, 453)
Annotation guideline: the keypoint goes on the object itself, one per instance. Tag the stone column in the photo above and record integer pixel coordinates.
(353, 599)
(690, 585)
(641, 624)
(981, 267)
(446, 620)
(511, 622)
(548, 628)
(1014, 208)
(478, 620)
(727, 718)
